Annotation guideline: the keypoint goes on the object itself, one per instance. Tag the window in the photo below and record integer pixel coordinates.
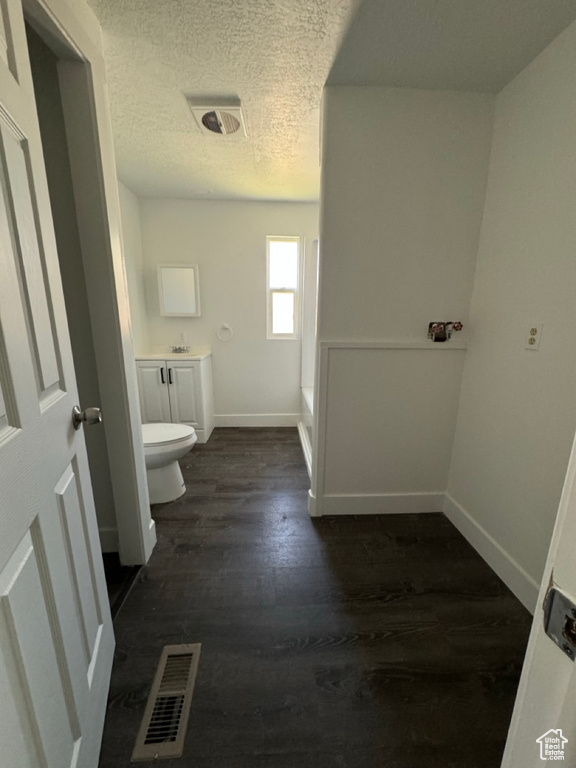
(283, 276)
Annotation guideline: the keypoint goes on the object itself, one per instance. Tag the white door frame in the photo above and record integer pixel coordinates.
(70, 28)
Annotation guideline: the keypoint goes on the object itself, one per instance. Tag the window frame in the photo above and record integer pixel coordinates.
(295, 291)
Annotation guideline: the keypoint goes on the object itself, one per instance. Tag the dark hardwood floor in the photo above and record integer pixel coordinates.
(343, 642)
(119, 580)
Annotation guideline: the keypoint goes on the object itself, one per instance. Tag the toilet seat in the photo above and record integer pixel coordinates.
(165, 434)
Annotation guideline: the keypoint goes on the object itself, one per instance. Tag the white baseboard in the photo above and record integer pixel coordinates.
(312, 511)
(379, 504)
(308, 396)
(152, 531)
(306, 447)
(257, 420)
(512, 574)
(109, 539)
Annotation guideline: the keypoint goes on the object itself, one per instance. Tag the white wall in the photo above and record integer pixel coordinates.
(518, 408)
(134, 264)
(404, 175)
(256, 381)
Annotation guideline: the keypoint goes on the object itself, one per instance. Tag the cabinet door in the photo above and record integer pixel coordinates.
(153, 389)
(185, 393)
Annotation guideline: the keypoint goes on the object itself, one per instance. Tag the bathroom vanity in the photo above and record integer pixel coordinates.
(177, 388)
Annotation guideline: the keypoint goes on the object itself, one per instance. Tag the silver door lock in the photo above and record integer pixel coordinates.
(89, 416)
(560, 621)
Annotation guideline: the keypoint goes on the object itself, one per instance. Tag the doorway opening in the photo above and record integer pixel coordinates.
(63, 199)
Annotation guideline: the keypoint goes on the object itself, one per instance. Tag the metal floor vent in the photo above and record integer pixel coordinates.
(163, 727)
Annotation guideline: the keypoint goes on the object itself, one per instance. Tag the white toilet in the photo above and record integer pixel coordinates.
(164, 444)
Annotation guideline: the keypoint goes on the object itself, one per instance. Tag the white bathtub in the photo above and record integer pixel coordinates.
(305, 426)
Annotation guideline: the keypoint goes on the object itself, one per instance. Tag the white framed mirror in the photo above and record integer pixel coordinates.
(179, 290)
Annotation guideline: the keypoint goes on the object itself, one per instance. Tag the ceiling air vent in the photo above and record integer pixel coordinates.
(219, 117)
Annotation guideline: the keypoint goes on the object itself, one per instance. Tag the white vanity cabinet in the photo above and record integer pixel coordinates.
(177, 390)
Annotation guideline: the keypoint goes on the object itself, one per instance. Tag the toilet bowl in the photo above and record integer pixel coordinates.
(164, 444)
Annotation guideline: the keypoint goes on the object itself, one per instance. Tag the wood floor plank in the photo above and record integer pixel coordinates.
(349, 642)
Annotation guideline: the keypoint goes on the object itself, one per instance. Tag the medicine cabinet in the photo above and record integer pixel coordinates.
(179, 290)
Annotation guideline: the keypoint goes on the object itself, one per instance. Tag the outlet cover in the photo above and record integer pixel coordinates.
(533, 336)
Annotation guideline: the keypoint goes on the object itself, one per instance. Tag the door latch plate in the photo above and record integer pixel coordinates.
(560, 621)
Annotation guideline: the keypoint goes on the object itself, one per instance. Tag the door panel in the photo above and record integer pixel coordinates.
(52, 536)
(15, 165)
(80, 569)
(56, 640)
(15, 732)
(9, 58)
(3, 41)
(185, 393)
(29, 650)
(154, 398)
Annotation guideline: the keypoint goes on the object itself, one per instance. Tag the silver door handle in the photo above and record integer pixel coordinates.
(89, 416)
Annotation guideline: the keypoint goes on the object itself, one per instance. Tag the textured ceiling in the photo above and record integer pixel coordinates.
(274, 55)
(466, 45)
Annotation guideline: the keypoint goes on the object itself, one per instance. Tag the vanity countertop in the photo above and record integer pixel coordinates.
(195, 353)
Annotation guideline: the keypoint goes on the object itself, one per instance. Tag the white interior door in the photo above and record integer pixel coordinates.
(546, 700)
(56, 640)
